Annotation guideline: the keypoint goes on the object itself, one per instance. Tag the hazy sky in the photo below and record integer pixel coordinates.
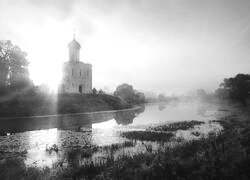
(170, 46)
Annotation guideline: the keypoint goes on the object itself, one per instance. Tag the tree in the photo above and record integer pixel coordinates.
(127, 93)
(13, 66)
(238, 87)
(140, 97)
(94, 91)
(201, 93)
(161, 97)
(222, 93)
(101, 91)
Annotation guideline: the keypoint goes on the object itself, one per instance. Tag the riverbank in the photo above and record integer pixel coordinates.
(51, 104)
(220, 155)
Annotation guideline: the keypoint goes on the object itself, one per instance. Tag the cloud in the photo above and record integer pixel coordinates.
(61, 8)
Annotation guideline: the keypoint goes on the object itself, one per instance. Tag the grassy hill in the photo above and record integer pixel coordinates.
(31, 104)
(72, 103)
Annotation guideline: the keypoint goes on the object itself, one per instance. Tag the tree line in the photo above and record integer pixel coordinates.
(14, 73)
(14, 76)
(236, 88)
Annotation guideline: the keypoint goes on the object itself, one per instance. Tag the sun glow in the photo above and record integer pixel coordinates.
(109, 53)
(47, 50)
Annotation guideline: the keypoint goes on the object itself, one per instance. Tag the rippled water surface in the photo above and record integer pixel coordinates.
(30, 137)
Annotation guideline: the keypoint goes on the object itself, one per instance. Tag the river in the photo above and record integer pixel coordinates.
(29, 137)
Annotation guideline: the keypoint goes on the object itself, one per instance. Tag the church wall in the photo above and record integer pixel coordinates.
(77, 74)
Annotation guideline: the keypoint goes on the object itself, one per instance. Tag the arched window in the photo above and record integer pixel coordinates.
(72, 71)
(80, 89)
(88, 73)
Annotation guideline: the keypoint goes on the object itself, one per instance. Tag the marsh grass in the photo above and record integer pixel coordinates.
(14, 168)
(161, 133)
(115, 147)
(224, 155)
(53, 148)
(147, 135)
(196, 133)
(217, 157)
(184, 125)
(221, 156)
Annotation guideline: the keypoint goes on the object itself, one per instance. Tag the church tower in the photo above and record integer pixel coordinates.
(74, 50)
(77, 76)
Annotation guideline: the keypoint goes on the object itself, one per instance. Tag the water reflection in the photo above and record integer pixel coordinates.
(127, 117)
(75, 122)
(38, 142)
(86, 131)
(206, 110)
(161, 106)
(34, 135)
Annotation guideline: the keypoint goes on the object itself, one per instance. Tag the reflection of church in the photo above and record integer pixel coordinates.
(77, 76)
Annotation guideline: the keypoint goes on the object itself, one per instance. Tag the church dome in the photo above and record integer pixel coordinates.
(74, 45)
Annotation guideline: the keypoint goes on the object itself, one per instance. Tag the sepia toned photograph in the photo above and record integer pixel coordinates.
(124, 89)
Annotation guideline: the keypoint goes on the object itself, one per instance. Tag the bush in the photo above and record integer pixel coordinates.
(127, 93)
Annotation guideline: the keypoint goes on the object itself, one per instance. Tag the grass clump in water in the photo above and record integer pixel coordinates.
(218, 157)
(222, 156)
(147, 135)
(225, 155)
(54, 148)
(114, 147)
(183, 125)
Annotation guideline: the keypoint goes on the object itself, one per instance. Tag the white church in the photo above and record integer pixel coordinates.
(77, 76)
